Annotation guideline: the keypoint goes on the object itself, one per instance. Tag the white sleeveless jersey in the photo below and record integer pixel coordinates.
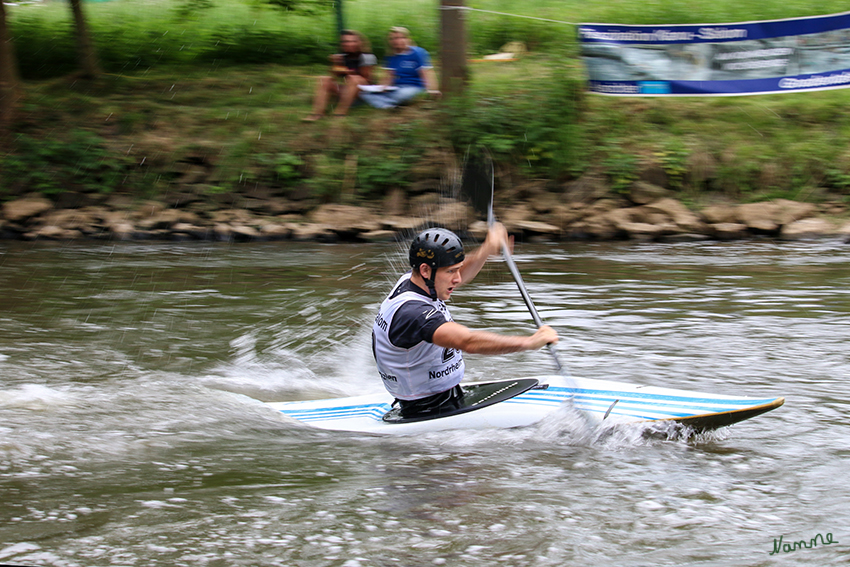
(425, 368)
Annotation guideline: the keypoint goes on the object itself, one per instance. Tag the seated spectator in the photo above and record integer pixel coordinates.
(408, 73)
(349, 69)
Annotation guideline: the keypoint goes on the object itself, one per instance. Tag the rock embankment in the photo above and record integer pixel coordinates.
(660, 219)
(666, 219)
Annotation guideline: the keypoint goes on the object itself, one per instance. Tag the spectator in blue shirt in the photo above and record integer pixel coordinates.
(408, 72)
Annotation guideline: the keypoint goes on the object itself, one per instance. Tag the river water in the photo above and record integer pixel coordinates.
(132, 428)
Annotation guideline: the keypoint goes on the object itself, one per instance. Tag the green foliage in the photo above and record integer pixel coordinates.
(143, 33)
(54, 165)
(489, 121)
(287, 167)
(488, 33)
(538, 128)
(248, 45)
(283, 169)
(135, 35)
(620, 167)
(187, 9)
(387, 161)
(303, 6)
(43, 49)
(838, 179)
(328, 174)
(378, 172)
(215, 190)
(674, 158)
(532, 114)
(129, 36)
(739, 174)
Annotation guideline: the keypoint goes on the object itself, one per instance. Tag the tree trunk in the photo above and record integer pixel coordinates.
(453, 47)
(10, 90)
(86, 56)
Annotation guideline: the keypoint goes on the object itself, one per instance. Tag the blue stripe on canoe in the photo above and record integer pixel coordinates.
(561, 394)
(605, 402)
(622, 408)
(375, 411)
(629, 404)
(613, 394)
(639, 407)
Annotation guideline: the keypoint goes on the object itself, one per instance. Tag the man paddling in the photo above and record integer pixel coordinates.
(417, 345)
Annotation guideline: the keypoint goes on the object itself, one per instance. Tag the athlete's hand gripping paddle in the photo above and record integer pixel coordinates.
(478, 185)
(509, 260)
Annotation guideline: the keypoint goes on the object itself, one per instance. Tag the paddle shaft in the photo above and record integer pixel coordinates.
(509, 260)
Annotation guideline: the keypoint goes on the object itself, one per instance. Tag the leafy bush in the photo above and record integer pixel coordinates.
(130, 35)
(287, 167)
(377, 173)
(326, 183)
(43, 49)
(538, 128)
(621, 168)
(284, 169)
(244, 45)
(674, 158)
(53, 165)
(838, 179)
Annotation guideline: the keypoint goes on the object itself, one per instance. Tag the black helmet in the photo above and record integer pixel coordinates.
(436, 247)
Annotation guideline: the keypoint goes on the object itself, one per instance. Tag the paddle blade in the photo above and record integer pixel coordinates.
(477, 183)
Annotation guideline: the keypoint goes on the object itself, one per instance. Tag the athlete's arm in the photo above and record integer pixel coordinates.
(456, 336)
(492, 246)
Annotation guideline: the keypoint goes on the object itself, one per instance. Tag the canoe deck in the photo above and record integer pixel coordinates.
(600, 401)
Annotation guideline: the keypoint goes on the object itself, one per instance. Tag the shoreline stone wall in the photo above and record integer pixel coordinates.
(546, 217)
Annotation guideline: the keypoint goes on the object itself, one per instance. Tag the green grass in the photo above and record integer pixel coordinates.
(135, 35)
(246, 123)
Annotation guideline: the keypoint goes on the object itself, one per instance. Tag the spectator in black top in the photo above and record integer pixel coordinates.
(349, 69)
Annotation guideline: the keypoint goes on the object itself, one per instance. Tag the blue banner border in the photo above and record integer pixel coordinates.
(837, 79)
(666, 34)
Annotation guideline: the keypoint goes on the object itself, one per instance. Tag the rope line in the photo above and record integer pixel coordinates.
(469, 8)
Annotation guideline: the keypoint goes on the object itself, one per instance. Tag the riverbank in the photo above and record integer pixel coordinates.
(647, 216)
(223, 155)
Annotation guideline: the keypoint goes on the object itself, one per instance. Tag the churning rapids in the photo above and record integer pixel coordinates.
(131, 431)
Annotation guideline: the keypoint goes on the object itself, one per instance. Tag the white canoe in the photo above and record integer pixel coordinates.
(599, 400)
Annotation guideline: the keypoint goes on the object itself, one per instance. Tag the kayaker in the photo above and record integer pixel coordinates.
(417, 345)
